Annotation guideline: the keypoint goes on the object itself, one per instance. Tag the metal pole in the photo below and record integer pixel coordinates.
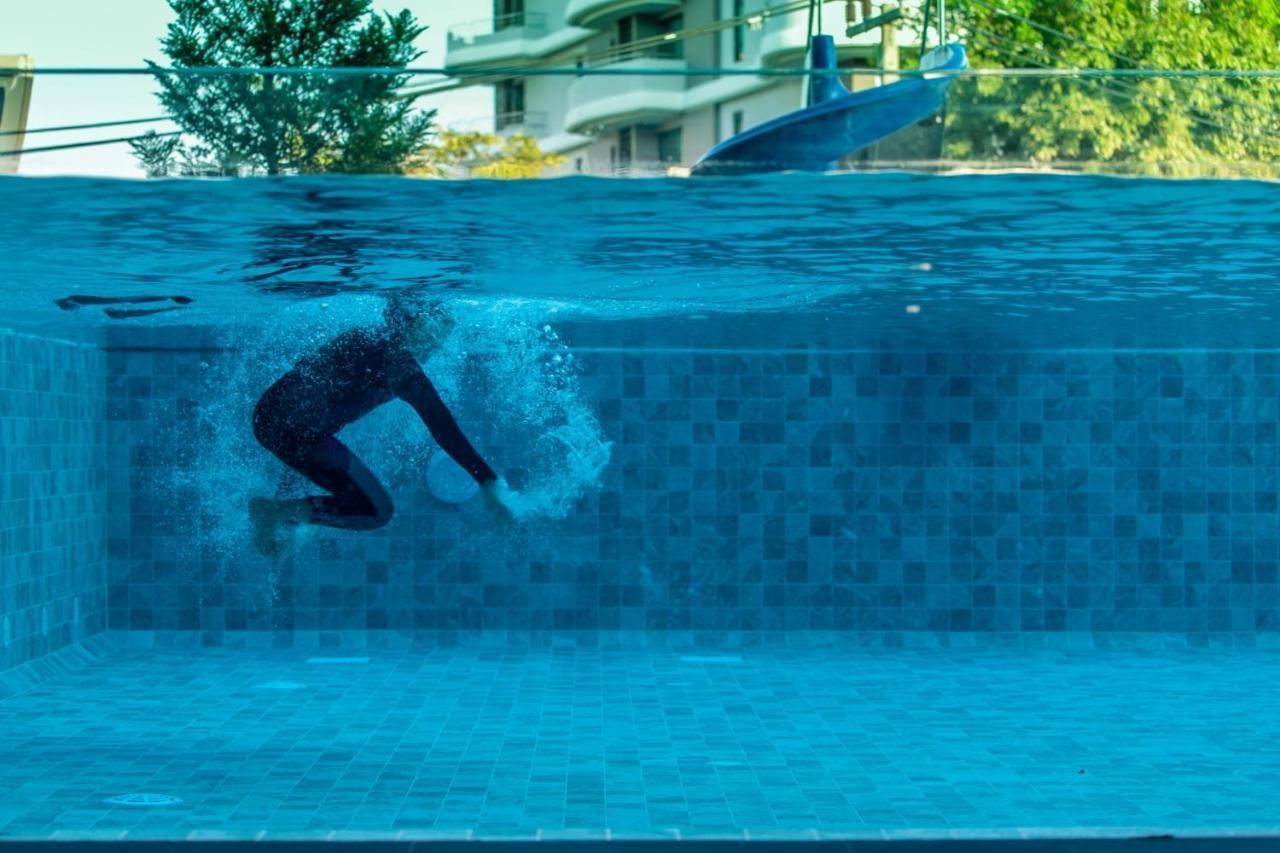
(808, 55)
(942, 22)
(924, 29)
(888, 49)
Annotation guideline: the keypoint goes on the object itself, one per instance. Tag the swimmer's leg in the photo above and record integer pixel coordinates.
(357, 501)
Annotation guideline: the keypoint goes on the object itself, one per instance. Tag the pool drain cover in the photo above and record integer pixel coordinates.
(143, 800)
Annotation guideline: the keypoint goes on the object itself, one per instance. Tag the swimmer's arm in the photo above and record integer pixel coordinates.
(416, 390)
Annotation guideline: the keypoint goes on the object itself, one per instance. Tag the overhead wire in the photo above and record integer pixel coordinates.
(14, 152)
(699, 71)
(91, 126)
(548, 67)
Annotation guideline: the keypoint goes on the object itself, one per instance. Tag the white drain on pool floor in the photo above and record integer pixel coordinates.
(143, 800)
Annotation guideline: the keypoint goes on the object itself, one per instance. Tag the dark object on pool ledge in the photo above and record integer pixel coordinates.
(837, 122)
(72, 303)
(127, 313)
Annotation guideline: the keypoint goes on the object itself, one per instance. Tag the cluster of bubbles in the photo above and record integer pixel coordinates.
(511, 382)
(515, 374)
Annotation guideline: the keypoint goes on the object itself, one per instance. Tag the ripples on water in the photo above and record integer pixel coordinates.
(1076, 258)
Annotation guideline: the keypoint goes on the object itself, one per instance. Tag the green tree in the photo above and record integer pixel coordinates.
(484, 155)
(282, 123)
(1146, 125)
(155, 153)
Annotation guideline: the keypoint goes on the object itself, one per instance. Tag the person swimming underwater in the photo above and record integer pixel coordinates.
(297, 419)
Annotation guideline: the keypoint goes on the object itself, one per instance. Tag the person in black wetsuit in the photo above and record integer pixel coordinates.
(299, 416)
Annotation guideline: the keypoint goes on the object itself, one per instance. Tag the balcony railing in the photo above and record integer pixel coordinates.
(590, 13)
(532, 122)
(526, 23)
(672, 49)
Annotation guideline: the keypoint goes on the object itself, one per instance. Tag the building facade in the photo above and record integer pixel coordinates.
(647, 124)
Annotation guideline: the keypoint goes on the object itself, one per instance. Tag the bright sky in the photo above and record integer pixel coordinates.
(124, 33)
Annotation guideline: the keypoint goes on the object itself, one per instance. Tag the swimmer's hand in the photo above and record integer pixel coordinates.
(501, 500)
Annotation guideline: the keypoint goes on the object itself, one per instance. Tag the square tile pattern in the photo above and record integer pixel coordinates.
(476, 742)
(53, 495)
(751, 492)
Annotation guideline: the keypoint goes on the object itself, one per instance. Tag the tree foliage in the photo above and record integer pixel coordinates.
(485, 155)
(1145, 125)
(155, 153)
(279, 123)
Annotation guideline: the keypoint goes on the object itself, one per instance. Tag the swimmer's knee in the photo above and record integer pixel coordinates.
(264, 430)
(260, 427)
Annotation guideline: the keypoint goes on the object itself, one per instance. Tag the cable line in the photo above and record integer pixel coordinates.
(14, 152)
(84, 126)
(702, 71)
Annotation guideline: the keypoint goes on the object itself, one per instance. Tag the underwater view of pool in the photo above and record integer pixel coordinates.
(849, 508)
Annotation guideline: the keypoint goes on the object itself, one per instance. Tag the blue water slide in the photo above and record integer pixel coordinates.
(837, 122)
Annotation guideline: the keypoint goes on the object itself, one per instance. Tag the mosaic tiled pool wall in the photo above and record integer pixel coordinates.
(834, 490)
(53, 566)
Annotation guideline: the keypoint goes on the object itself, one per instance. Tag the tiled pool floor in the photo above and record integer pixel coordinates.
(455, 743)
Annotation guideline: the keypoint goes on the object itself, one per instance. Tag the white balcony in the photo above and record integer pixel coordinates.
(783, 40)
(592, 13)
(597, 102)
(508, 38)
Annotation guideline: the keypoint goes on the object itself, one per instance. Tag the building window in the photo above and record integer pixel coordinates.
(510, 111)
(577, 164)
(716, 124)
(672, 48)
(717, 43)
(508, 13)
(624, 147)
(670, 143)
(739, 32)
(737, 122)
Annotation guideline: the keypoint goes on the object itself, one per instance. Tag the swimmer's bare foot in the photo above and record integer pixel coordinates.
(268, 517)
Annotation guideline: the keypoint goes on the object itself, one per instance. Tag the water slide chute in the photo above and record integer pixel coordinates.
(837, 122)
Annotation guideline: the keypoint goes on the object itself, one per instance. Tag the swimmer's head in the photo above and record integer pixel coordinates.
(424, 324)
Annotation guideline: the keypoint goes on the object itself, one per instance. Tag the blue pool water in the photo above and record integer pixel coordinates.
(859, 506)
(1032, 259)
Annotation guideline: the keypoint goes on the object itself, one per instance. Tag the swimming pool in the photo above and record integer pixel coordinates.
(862, 507)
